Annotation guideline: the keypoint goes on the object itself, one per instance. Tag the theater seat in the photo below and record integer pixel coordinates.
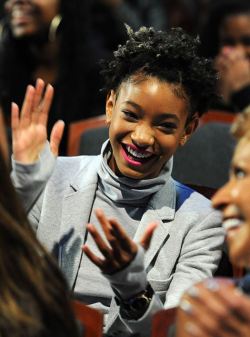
(77, 129)
(90, 319)
(163, 323)
(92, 139)
(205, 159)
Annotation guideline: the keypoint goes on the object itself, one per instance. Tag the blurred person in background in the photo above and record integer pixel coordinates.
(226, 38)
(137, 13)
(108, 18)
(221, 307)
(50, 39)
(182, 13)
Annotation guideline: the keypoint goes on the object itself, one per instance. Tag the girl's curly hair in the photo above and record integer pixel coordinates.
(170, 56)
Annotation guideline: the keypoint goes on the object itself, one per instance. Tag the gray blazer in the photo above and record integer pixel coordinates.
(186, 246)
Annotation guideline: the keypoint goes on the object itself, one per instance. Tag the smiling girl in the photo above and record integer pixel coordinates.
(111, 204)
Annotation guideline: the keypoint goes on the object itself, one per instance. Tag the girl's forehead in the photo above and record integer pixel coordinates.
(154, 87)
(152, 82)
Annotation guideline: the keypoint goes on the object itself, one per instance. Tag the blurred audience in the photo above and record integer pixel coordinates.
(109, 16)
(219, 307)
(35, 301)
(182, 13)
(226, 38)
(50, 39)
(137, 13)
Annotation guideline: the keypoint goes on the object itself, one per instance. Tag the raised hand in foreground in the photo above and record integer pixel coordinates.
(29, 127)
(214, 308)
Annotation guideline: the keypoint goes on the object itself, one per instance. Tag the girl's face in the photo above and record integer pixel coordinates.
(30, 17)
(235, 32)
(233, 200)
(147, 122)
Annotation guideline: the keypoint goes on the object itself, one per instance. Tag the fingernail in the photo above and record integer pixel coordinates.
(193, 292)
(238, 292)
(98, 210)
(186, 306)
(89, 226)
(211, 285)
(191, 328)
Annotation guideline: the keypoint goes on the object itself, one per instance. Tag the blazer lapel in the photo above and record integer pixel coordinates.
(77, 206)
(161, 209)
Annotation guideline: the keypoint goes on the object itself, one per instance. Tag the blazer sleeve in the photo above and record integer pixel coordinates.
(127, 282)
(30, 180)
(199, 256)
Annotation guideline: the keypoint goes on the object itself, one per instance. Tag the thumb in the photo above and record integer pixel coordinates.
(148, 234)
(56, 136)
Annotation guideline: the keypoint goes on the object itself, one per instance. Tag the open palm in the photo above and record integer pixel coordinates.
(29, 127)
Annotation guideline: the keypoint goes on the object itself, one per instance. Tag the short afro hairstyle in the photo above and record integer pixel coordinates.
(171, 57)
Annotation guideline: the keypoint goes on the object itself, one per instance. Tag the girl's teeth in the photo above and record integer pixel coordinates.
(230, 223)
(138, 154)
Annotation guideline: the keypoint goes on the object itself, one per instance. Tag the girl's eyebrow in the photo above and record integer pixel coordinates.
(134, 105)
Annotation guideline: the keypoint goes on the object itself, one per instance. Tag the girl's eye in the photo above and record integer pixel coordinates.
(168, 127)
(131, 116)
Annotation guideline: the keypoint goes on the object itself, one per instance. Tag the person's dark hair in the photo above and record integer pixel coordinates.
(170, 56)
(217, 14)
(35, 300)
(77, 80)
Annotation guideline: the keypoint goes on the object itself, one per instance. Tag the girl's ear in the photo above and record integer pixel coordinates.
(110, 103)
(189, 129)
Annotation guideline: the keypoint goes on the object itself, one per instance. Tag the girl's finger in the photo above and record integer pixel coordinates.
(121, 249)
(124, 241)
(46, 104)
(56, 137)
(25, 116)
(105, 223)
(147, 236)
(14, 117)
(100, 243)
(37, 99)
(95, 259)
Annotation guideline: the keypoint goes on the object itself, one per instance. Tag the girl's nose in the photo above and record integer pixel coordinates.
(143, 136)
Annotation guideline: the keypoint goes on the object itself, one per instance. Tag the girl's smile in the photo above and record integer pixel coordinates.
(135, 155)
